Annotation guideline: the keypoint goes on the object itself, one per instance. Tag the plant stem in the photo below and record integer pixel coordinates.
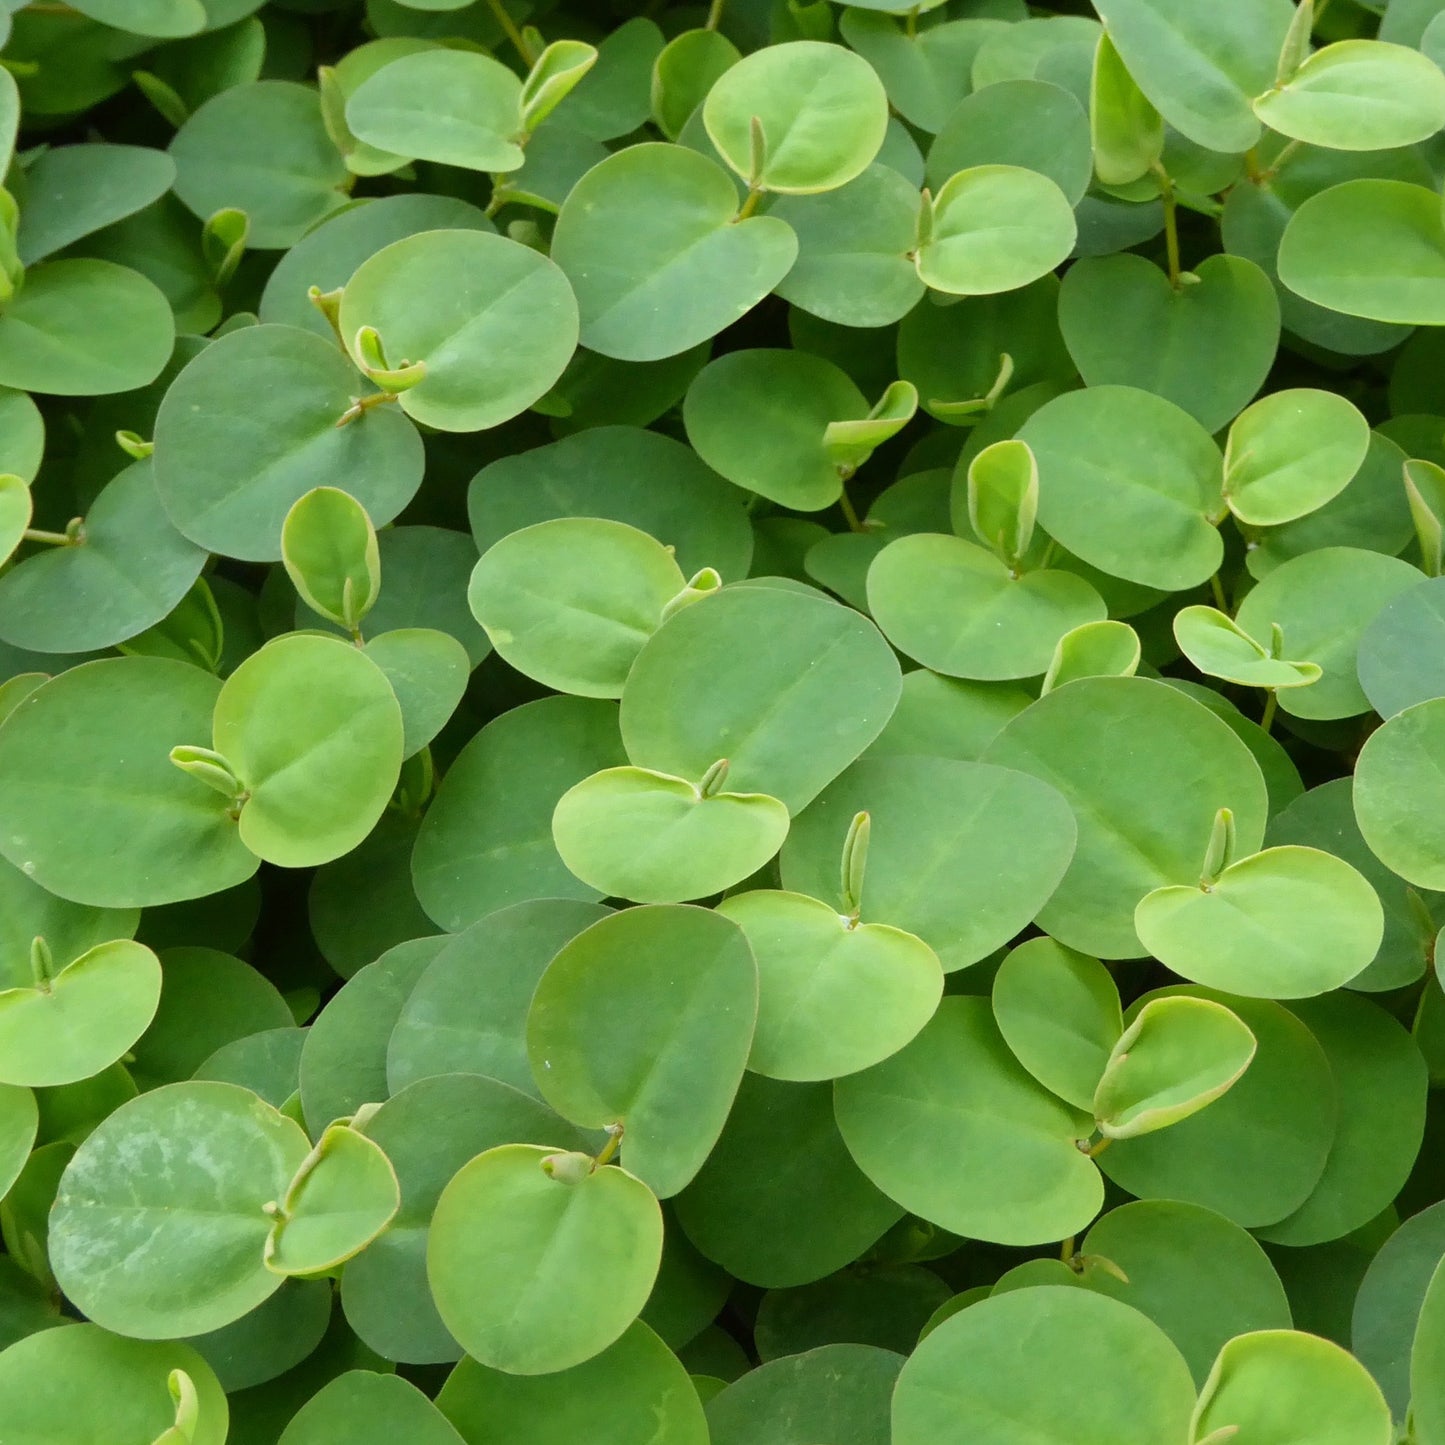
(910, 25)
(849, 514)
(509, 27)
(614, 1140)
(714, 15)
(1099, 1145)
(1271, 703)
(750, 205)
(1066, 1250)
(51, 539)
(1217, 587)
(1171, 227)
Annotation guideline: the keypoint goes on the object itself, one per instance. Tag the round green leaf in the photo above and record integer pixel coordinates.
(1289, 922)
(534, 1270)
(1398, 658)
(84, 328)
(1256, 1154)
(19, 1120)
(700, 691)
(1277, 1385)
(81, 1383)
(234, 452)
(263, 149)
(314, 734)
(493, 322)
(634, 1388)
(837, 1392)
(1358, 95)
(920, 1123)
(329, 550)
(834, 995)
(72, 1025)
(798, 117)
(818, 1213)
(1175, 1058)
(1157, 1244)
(343, 1195)
(650, 240)
(467, 1013)
(158, 1228)
(1397, 787)
(1059, 1012)
(455, 107)
(1129, 483)
(653, 838)
(1141, 826)
(1372, 248)
(1206, 345)
(137, 831)
(570, 602)
(22, 436)
(1017, 1366)
(486, 840)
(362, 1408)
(645, 1020)
(959, 610)
(127, 569)
(962, 854)
(1382, 1084)
(994, 228)
(1322, 602)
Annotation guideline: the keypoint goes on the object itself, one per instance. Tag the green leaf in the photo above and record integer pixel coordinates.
(328, 547)
(1093, 649)
(993, 228)
(635, 1386)
(1142, 826)
(428, 671)
(58, 1382)
(158, 1249)
(917, 1122)
(342, 1196)
(1256, 1154)
(699, 691)
(554, 75)
(1219, 647)
(1177, 1056)
(570, 602)
(362, 1408)
(1372, 248)
(263, 149)
(1059, 1012)
(1206, 344)
(644, 1020)
(798, 118)
(19, 1120)
(1271, 1384)
(491, 322)
(234, 454)
(1289, 922)
(1358, 95)
(644, 835)
(139, 832)
(539, 1260)
(684, 72)
(74, 1021)
(834, 995)
(1126, 130)
(455, 107)
(314, 733)
(1021, 1362)
(651, 241)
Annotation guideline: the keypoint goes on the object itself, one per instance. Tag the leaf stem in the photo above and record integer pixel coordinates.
(51, 539)
(362, 404)
(755, 194)
(1220, 600)
(509, 27)
(910, 24)
(1099, 1145)
(1067, 1249)
(714, 15)
(1271, 704)
(850, 515)
(1171, 226)
(614, 1141)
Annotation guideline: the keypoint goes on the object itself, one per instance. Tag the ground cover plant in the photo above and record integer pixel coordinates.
(722, 722)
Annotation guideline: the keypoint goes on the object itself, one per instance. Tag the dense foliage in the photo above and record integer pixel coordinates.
(722, 722)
